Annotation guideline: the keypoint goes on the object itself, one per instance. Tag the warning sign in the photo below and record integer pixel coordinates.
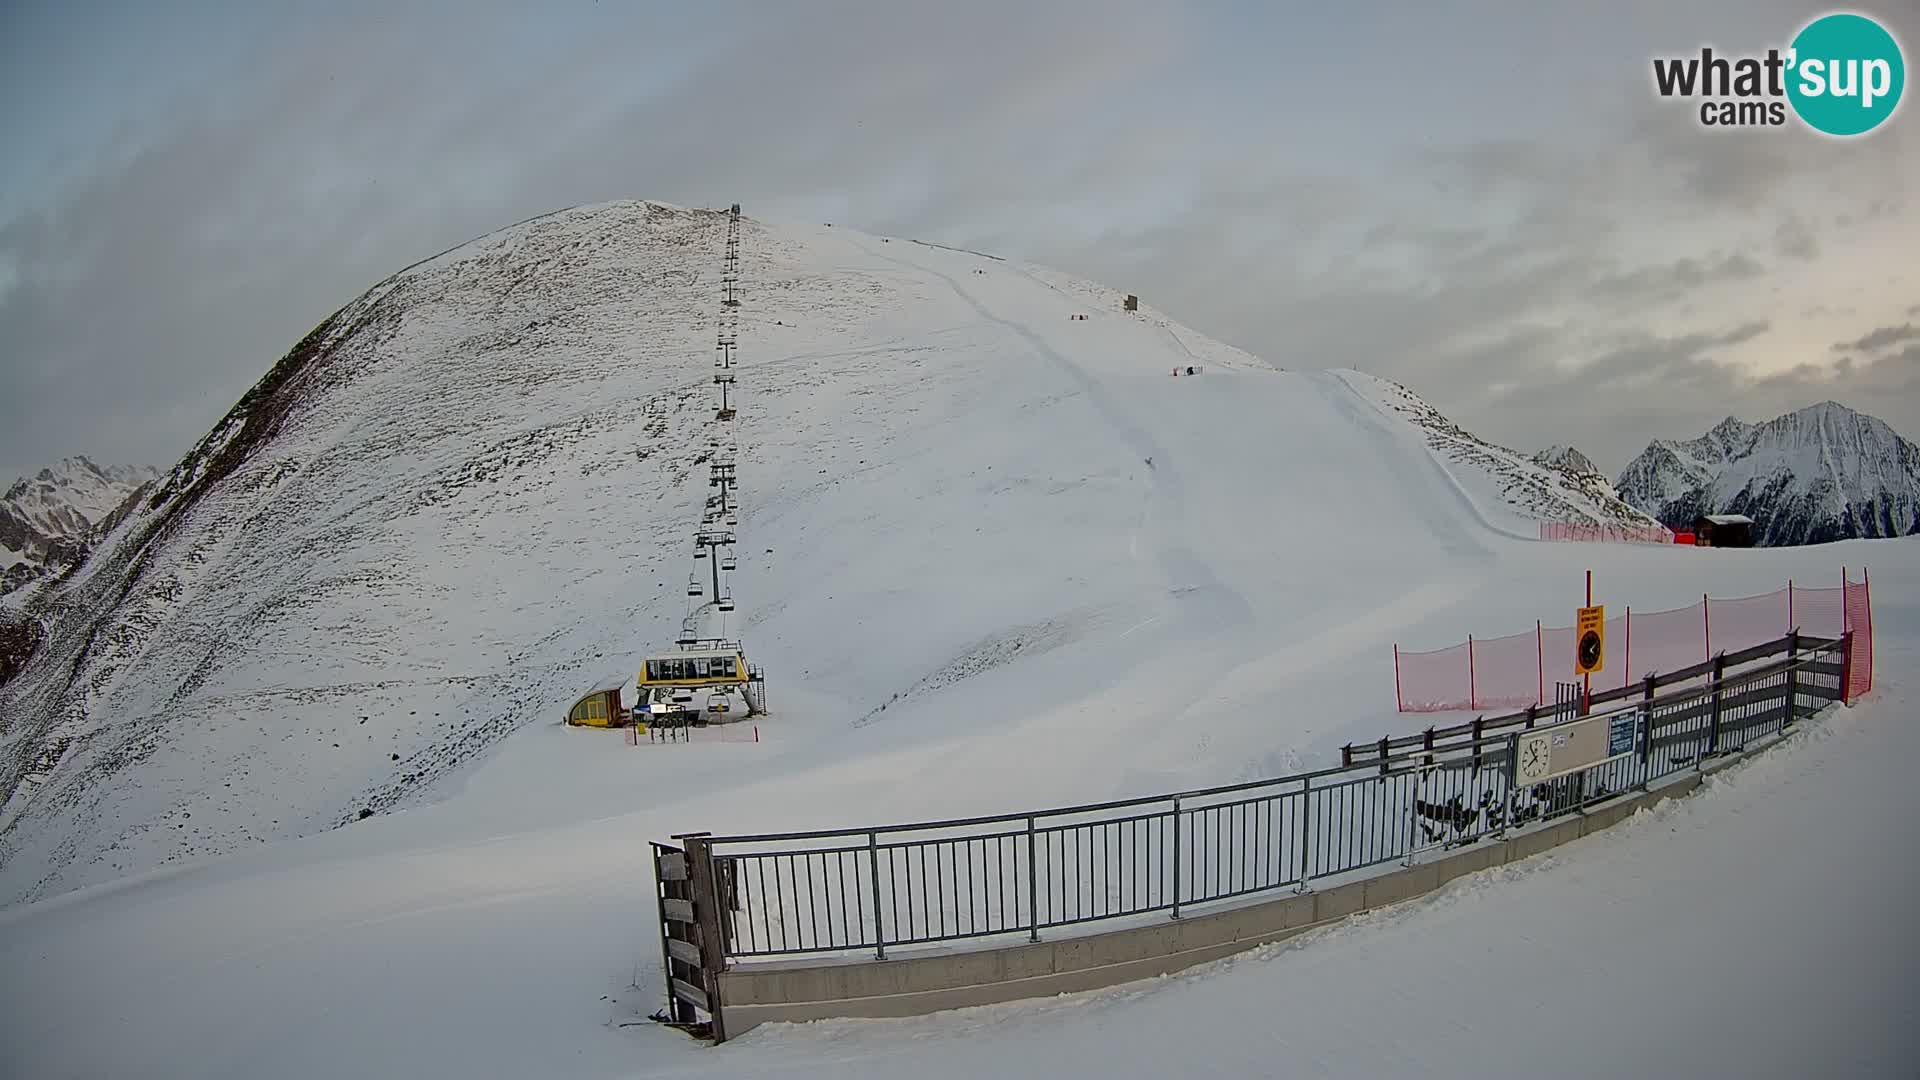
(1590, 641)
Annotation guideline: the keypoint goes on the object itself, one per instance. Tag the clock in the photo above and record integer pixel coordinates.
(1534, 757)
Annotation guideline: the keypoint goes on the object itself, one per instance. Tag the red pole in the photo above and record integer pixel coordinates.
(1586, 704)
(1399, 701)
(1790, 623)
(1473, 683)
(1540, 661)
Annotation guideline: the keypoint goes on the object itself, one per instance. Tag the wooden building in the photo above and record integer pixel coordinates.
(600, 706)
(1723, 530)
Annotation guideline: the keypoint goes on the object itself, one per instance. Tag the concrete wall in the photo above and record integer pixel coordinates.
(917, 984)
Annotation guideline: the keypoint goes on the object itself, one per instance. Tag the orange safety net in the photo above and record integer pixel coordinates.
(1522, 669)
(1593, 533)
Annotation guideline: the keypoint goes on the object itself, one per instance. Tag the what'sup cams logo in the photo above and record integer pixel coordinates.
(1842, 75)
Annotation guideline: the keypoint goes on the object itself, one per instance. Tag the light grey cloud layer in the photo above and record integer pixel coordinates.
(1484, 202)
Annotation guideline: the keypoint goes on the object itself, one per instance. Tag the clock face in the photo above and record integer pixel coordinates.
(1589, 650)
(1534, 761)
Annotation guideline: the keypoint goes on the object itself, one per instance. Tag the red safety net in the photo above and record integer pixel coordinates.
(1522, 669)
(1859, 621)
(1820, 612)
(1434, 681)
(1592, 533)
(1506, 672)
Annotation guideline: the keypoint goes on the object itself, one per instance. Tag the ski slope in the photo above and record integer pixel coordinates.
(993, 557)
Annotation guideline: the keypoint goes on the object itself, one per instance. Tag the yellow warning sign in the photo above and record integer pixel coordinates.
(1590, 640)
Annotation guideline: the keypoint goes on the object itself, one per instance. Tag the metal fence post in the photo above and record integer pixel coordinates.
(1176, 856)
(1306, 802)
(706, 910)
(879, 931)
(1713, 723)
(1413, 814)
(1033, 885)
(1646, 736)
(1793, 679)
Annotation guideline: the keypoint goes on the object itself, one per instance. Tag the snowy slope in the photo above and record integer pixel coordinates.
(46, 519)
(1064, 574)
(1514, 490)
(1819, 474)
(505, 931)
(465, 496)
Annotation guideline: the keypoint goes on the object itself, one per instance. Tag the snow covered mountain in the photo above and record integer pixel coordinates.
(46, 519)
(1555, 485)
(1820, 474)
(1568, 458)
(471, 492)
(993, 557)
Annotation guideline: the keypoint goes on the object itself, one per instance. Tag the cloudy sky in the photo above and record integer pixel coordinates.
(1483, 200)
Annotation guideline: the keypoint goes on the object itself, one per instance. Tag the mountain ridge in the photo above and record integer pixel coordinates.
(1818, 474)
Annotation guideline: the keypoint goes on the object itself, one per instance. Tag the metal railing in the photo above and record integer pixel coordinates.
(892, 886)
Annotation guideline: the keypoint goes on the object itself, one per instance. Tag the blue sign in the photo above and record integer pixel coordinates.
(1620, 734)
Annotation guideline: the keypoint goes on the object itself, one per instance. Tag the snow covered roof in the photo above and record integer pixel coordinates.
(611, 681)
(1729, 519)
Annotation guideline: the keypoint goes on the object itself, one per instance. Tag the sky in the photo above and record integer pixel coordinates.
(1484, 201)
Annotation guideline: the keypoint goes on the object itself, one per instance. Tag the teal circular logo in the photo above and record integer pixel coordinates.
(1846, 74)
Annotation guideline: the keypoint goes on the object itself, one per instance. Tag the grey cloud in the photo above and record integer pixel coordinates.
(1795, 239)
(1880, 338)
(147, 298)
(1675, 277)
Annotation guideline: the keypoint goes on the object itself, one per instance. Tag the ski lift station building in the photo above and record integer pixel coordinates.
(720, 666)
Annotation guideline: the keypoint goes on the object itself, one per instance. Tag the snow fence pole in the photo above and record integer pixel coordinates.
(1539, 662)
(1473, 685)
(1790, 623)
(1706, 620)
(1399, 701)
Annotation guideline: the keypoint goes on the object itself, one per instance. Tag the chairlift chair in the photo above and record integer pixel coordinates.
(693, 585)
(699, 551)
(726, 602)
(728, 563)
(716, 703)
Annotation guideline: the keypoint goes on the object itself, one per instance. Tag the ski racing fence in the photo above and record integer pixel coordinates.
(861, 921)
(1521, 669)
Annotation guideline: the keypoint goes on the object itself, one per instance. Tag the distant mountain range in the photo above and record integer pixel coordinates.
(48, 519)
(1820, 474)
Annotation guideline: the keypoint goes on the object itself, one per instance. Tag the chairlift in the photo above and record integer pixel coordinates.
(693, 585)
(716, 703)
(728, 563)
(726, 602)
(700, 551)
